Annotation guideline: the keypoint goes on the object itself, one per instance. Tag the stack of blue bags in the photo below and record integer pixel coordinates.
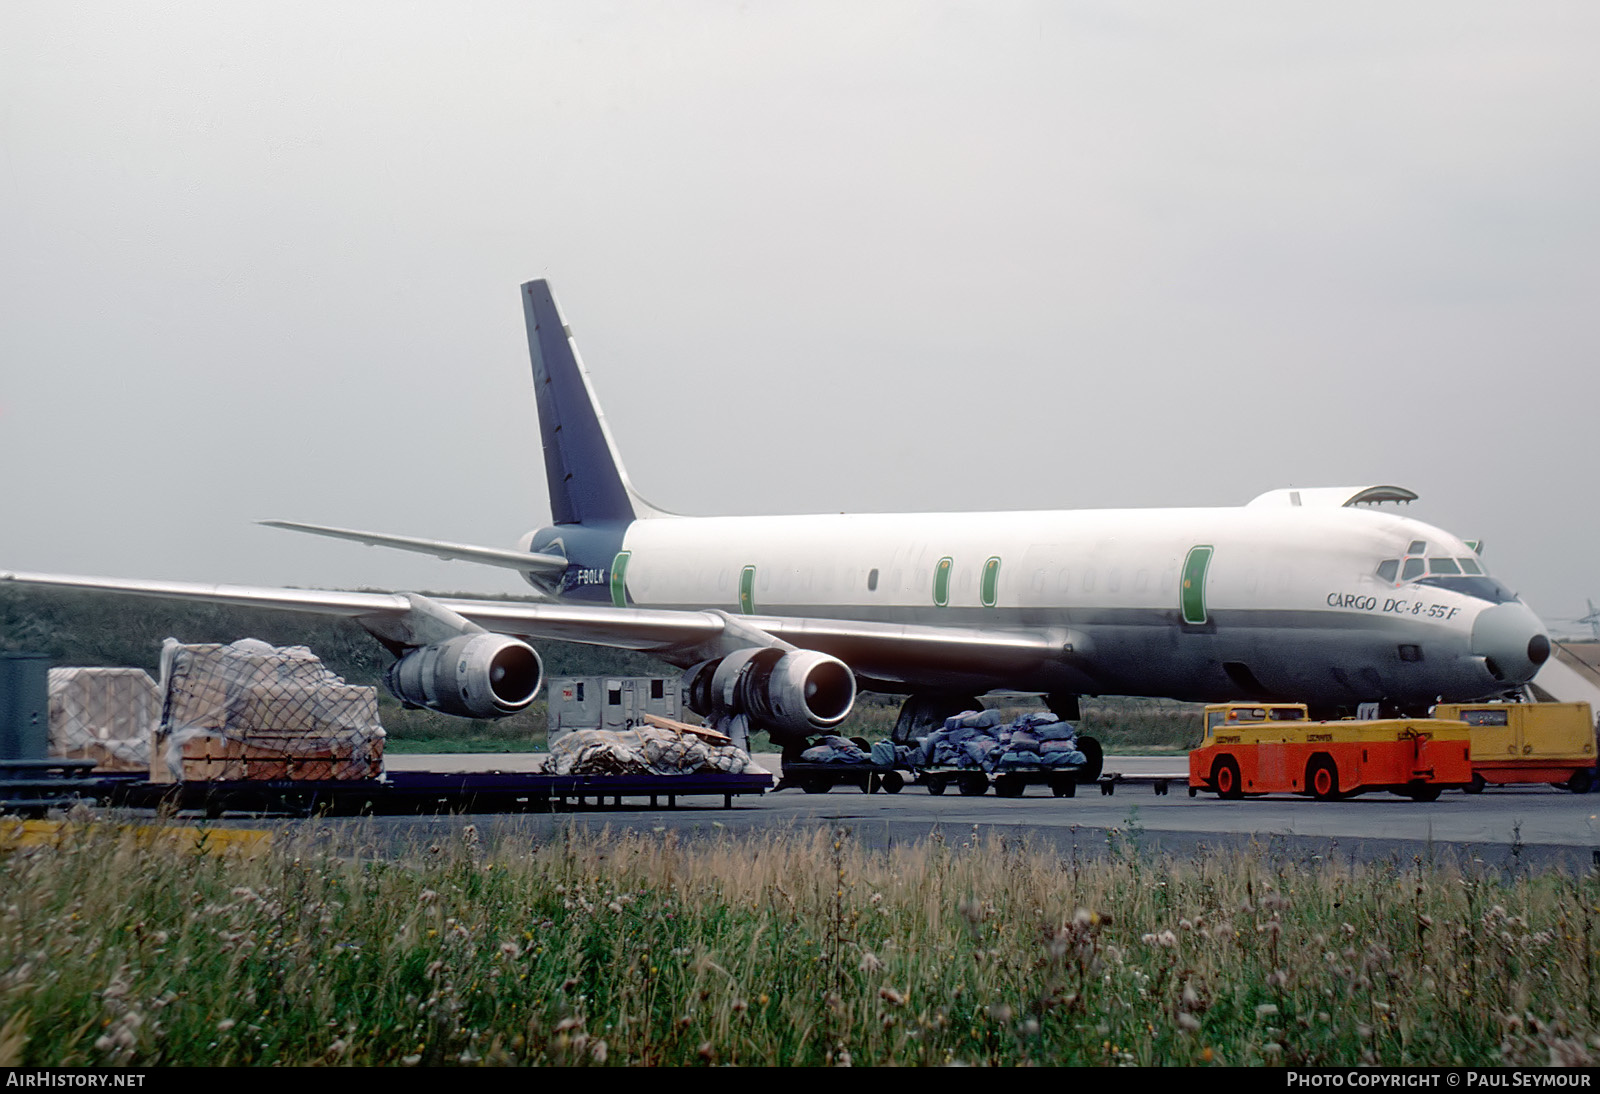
(976, 739)
(832, 749)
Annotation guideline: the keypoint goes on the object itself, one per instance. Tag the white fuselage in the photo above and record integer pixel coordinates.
(1291, 604)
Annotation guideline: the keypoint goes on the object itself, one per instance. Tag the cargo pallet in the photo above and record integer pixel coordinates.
(404, 793)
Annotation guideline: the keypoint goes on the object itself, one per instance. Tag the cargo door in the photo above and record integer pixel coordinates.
(661, 698)
(614, 714)
(572, 705)
(747, 590)
(1192, 589)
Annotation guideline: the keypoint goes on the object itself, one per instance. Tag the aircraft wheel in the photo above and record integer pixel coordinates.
(1475, 786)
(1225, 777)
(1322, 779)
(936, 785)
(893, 782)
(974, 785)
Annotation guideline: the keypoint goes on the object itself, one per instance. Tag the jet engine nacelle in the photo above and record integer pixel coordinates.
(789, 694)
(473, 676)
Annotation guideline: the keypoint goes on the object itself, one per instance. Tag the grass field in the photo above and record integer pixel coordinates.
(792, 948)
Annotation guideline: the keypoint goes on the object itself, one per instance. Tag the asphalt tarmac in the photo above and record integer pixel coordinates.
(1508, 828)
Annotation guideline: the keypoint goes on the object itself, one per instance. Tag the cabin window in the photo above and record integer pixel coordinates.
(1064, 582)
(1413, 570)
(1417, 547)
(1443, 566)
(989, 587)
(872, 581)
(1410, 653)
(1469, 566)
(1388, 568)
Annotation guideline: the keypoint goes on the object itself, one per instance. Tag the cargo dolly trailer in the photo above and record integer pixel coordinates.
(1012, 780)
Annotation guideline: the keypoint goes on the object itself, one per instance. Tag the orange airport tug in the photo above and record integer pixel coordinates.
(1274, 748)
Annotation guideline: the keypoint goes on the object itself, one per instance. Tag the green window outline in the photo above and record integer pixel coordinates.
(619, 579)
(1192, 590)
(747, 590)
(989, 584)
(941, 581)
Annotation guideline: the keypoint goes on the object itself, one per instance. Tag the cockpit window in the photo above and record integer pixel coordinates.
(1413, 570)
(1443, 566)
(1417, 547)
(1484, 588)
(1388, 568)
(1470, 566)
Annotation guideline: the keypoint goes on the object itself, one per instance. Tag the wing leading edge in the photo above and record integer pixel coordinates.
(883, 651)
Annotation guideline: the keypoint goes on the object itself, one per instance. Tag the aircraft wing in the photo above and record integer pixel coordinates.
(882, 651)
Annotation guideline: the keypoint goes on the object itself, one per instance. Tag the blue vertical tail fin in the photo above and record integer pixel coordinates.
(588, 484)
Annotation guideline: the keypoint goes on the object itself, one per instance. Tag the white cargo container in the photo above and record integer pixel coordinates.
(608, 702)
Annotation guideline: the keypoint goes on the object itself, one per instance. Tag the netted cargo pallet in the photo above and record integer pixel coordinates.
(250, 711)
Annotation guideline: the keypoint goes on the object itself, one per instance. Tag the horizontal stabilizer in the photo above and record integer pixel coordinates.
(522, 561)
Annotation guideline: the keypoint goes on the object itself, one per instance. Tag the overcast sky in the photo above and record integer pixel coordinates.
(261, 260)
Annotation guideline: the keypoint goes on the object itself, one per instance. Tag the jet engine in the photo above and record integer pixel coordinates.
(473, 676)
(789, 694)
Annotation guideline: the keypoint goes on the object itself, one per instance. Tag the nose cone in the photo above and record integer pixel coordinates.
(1512, 642)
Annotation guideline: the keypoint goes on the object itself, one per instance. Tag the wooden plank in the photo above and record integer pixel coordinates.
(684, 727)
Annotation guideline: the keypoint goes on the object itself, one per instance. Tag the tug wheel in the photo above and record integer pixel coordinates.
(1225, 777)
(1322, 779)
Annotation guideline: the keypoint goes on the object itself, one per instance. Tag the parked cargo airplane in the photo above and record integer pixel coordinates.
(1307, 595)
